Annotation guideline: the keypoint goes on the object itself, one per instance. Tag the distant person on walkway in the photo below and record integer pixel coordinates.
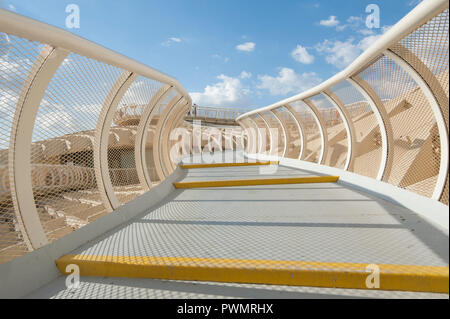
(194, 110)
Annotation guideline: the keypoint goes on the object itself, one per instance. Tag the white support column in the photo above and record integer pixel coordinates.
(257, 138)
(19, 155)
(322, 128)
(251, 136)
(177, 120)
(176, 123)
(141, 136)
(284, 131)
(101, 139)
(270, 133)
(349, 127)
(438, 116)
(300, 125)
(387, 135)
(156, 139)
(172, 118)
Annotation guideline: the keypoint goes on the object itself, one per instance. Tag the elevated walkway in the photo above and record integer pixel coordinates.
(237, 238)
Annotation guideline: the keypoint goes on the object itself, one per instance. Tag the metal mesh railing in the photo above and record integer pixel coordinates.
(367, 151)
(336, 135)
(121, 152)
(17, 58)
(386, 115)
(414, 166)
(206, 113)
(74, 108)
(84, 130)
(310, 126)
(63, 135)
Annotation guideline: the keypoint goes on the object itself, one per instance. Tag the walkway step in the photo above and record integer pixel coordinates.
(277, 272)
(191, 166)
(261, 181)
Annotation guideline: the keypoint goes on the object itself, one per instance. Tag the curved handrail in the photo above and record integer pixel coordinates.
(402, 148)
(419, 15)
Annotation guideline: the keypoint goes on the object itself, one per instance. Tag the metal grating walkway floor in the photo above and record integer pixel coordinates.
(324, 222)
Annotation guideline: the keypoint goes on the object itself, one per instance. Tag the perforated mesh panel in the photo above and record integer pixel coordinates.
(337, 135)
(177, 145)
(415, 164)
(367, 151)
(263, 136)
(121, 150)
(250, 138)
(310, 127)
(64, 184)
(151, 130)
(430, 44)
(17, 57)
(292, 132)
(276, 132)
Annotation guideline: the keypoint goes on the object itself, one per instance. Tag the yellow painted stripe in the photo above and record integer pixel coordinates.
(190, 166)
(262, 181)
(277, 272)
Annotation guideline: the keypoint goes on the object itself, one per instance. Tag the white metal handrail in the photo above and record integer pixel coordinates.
(433, 88)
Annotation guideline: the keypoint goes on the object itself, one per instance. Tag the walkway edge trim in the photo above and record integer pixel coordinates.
(277, 272)
(261, 181)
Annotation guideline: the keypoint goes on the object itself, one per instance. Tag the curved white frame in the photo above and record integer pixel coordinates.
(141, 135)
(262, 116)
(284, 131)
(383, 122)
(349, 127)
(297, 121)
(19, 155)
(101, 139)
(322, 129)
(438, 116)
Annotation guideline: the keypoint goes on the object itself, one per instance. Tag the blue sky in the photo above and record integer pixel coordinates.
(240, 53)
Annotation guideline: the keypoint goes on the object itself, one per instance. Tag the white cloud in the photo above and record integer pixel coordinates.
(288, 81)
(339, 53)
(245, 75)
(352, 22)
(366, 42)
(56, 121)
(8, 101)
(218, 56)
(354, 19)
(247, 46)
(332, 21)
(170, 41)
(228, 92)
(301, 55)
(11, 7)
(366, 31)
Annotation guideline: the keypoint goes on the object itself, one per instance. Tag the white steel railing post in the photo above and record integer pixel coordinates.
(300, 127)
(19, 155)
(141, 135)
(101, 139)
(387, 135)
(322, 129)
(349, 127)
